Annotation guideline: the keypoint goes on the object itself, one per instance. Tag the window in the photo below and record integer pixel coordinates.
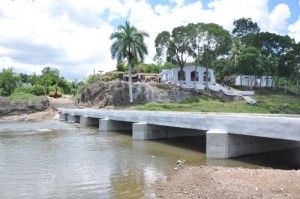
(183, 75)
(206, 76)
(194, 76)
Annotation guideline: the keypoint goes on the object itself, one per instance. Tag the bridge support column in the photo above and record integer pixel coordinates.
(88, 121)
(63, 117)
(73, 118)
(142, 131)
(226, 145)
(113, 125)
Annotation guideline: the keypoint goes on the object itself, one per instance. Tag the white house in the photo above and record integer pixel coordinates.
(192, 76)
(248, 80)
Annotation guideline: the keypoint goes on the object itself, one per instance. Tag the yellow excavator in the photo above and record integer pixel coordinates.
(55, 94)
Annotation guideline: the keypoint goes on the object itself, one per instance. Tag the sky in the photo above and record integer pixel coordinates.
(74, 35)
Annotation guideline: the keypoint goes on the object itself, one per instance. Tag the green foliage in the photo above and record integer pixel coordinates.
(244, 27)
(265, 104)
(176, 46)
(168, 65)
(8, 82)
(22, 96)
(93, 78)
(121, 66)
(23, 89)
(55, 88)
(148, 68)
(38, 90)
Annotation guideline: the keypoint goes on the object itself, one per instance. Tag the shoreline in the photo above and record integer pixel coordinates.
(228, 182)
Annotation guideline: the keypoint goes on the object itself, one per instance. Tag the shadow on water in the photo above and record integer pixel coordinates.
(283, 159)
(196, 143)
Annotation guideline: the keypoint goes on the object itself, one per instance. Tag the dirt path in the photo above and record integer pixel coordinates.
(222, 182)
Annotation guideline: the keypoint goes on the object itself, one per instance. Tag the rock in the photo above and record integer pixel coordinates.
(103, 94)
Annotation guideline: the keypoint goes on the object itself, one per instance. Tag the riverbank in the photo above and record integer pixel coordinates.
(49, 114)
(224, 182)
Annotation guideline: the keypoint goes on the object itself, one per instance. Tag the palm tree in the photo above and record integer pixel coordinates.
(128, 45)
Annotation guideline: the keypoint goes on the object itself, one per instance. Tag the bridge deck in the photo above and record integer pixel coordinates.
(262, 125)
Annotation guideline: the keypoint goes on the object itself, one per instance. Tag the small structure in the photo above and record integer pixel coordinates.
(193, 76)
(250, 80)
(120, 74)
(143, 77)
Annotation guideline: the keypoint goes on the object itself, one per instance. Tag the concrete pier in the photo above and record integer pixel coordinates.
(113, 125)
(73, 118)
(63, 117)
(88, 121)
(226, 145)
(143, 131)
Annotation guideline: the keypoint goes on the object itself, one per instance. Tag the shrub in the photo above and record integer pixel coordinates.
(38, 90)
(23, 89)
(22, 96)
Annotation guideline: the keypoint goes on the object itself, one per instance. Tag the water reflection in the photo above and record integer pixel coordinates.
(72, 162)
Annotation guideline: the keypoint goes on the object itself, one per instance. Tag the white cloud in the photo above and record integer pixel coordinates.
(74, 35)
(278, 18)
(178, 2)
(294, 30)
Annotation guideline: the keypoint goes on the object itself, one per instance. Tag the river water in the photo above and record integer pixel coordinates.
(61, 160)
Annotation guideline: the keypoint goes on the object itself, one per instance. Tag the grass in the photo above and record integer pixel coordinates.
(265, 104)
(22, 96)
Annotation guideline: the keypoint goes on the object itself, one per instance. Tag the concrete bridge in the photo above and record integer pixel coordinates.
(227, 134)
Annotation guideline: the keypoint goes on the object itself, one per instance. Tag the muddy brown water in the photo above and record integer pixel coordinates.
(60, 160)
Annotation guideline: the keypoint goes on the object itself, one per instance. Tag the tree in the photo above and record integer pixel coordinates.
(215, 43)
(176, 47)
(249, 63)
(8, 81)
(49, 77)
(244, 27)
(280, 50)
(128, 45)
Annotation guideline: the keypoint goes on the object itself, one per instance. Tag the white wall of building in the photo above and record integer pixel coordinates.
(172, 75)
(247, 80)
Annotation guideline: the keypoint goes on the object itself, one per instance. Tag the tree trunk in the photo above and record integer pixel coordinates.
(130, 83)
(241, 79)
(181, 75)
(285, 91)
(196, 77)
(250, 82)
(273, 83)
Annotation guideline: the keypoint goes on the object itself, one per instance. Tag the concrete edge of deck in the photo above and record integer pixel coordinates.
(239, 130)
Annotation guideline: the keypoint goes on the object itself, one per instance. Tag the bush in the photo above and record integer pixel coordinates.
(23, 89)
(37, 90)
(22, 96)
(54, 88)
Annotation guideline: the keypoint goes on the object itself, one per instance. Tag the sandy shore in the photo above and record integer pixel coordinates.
(223, 182)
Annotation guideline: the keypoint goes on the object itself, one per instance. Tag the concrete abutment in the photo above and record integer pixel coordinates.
(88, 121)
(226, 145)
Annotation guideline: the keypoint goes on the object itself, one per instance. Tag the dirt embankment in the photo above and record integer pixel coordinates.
(102, 94)
(223, 182)
(23, 111)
